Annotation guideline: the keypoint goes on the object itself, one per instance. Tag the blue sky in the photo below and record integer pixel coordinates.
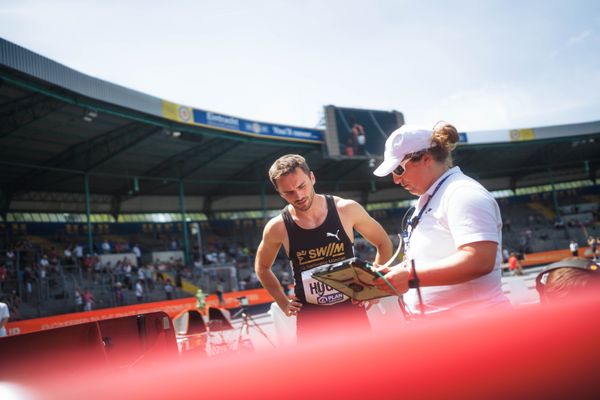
(481, 65)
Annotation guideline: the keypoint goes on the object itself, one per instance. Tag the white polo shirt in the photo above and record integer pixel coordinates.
(461, 212)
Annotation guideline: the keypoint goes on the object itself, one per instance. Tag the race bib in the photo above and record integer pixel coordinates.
(319, 293)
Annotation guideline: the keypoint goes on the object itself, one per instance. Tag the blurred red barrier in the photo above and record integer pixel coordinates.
(44, 353)
(531, 352)
(130, 343)
(139, 340)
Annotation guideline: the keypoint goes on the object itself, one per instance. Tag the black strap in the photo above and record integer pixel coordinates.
(414, 221)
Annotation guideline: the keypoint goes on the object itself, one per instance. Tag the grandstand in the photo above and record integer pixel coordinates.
(84, 160)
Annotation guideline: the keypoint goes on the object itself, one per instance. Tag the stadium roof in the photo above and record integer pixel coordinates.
(59, 126)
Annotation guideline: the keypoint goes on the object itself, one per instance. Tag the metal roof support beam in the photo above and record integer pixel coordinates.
(24, 111)
(170, 164)
(217, 151)
(87, 155)
(216, 148)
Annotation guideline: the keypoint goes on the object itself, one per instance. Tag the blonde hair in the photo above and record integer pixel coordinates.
(443, 142)
(285, 165)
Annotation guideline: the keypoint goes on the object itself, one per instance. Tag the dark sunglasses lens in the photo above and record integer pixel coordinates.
(399, 170)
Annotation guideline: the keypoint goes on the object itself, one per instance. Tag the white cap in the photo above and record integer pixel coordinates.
(405, 140)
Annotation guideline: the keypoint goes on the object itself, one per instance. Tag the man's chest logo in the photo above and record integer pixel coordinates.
(320, 253)
(335, 235)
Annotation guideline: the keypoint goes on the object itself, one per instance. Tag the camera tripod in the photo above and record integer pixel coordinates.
(247, 323)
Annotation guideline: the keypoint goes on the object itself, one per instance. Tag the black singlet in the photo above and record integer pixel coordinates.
(310, 248)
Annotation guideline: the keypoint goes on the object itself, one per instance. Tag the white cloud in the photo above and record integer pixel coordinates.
(580, 37)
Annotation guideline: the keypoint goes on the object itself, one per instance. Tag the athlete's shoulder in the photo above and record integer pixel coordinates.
(275, 223)
(343, 204)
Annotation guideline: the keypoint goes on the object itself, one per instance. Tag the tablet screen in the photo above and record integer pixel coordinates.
(353, 277)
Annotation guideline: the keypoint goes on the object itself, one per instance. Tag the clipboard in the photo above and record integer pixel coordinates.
(353, 277)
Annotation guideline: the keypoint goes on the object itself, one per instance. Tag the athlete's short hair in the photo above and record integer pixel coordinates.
(285, 165)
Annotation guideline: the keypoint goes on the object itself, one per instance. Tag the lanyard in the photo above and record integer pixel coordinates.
(414, 221)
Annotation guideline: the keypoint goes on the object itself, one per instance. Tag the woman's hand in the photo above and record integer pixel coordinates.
(397, 276)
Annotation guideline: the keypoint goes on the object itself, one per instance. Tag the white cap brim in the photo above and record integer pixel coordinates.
(386, 167)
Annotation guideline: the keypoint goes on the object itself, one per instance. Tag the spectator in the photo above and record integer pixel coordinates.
(574, 247)
(505, 254)
(78, 300)
(88, 300)
(119, 296)
(514, 265)
(3, 276)
(141, 273)
(79, 252)
(10, 258)
(219, 290)
(360, 139)
(150, 272)
(559, 223)
(139, 290)
(138, 253)
(168, 289)
(127, 271)
(68, 256)
(105, 247)
(44, 263)
(593, 243)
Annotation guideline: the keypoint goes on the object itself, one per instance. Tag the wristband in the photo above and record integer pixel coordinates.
(413, 279)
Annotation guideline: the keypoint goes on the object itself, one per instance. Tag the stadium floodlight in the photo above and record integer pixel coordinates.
(89, 115)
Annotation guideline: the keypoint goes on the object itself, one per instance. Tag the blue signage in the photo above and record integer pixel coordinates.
(256, 128)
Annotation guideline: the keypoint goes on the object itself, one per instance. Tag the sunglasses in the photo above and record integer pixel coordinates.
(400, 169)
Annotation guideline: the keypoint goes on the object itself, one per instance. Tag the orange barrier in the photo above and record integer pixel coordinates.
(171, 307)
(548, 257)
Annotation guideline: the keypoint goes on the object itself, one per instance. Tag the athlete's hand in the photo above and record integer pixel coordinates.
(367, 304)
(292, 307)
